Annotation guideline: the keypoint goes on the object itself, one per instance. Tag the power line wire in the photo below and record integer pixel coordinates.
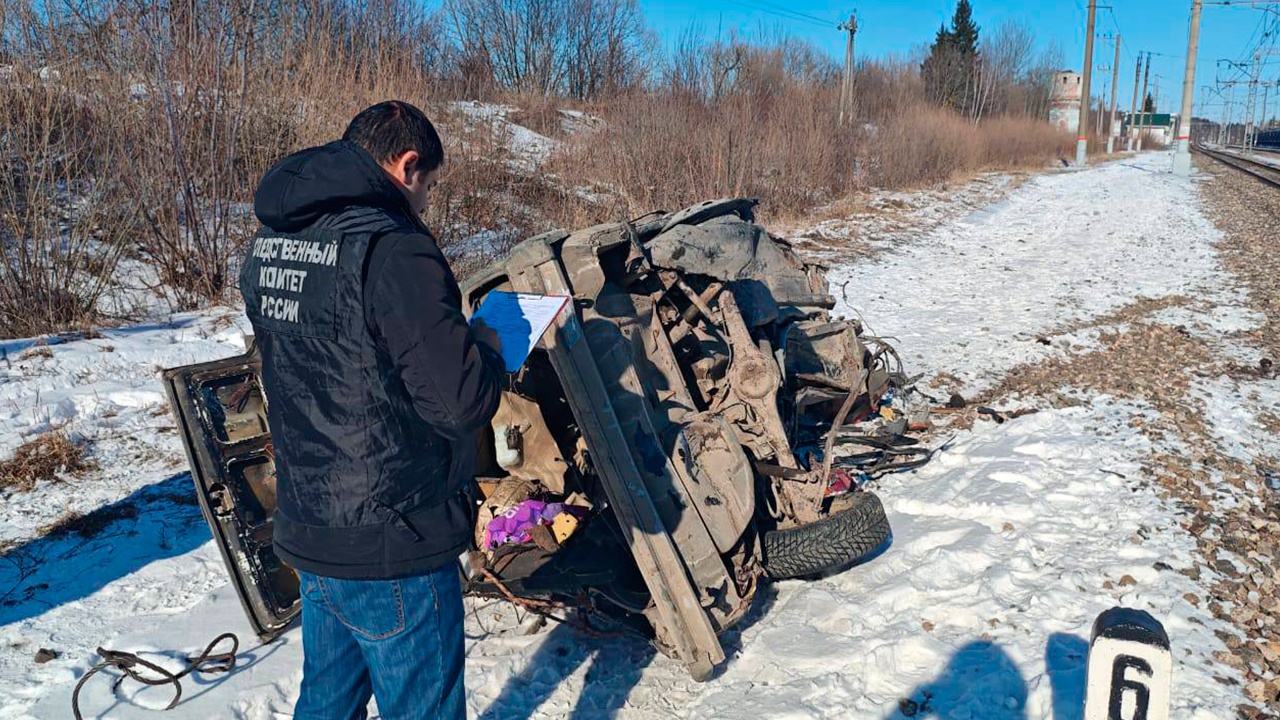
(781, 8)
(778, 11)
(1116, 24)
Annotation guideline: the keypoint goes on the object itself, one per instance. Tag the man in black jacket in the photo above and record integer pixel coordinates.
(376, 387)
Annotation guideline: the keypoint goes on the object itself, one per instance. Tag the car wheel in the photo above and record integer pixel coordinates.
(856, 530)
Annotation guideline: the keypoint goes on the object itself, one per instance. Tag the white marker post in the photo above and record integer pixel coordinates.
(1130, 672)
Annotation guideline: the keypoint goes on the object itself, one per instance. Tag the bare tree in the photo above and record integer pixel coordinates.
(586, 49)
(684, 70)
(523, 42)
(1002, 62)
(606, 41)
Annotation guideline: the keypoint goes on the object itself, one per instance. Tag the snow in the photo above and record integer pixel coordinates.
(1233, 407)
(889, 218)
(974, 295)
(530, 149)
(107, 390)
(1005, 548)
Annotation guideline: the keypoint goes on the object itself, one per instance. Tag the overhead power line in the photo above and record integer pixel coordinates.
(1115, 22)
(783, 12)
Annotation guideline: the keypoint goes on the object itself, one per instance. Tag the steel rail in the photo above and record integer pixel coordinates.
(1262, 172)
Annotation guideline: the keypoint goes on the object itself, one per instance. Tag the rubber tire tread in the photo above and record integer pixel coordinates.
(833, 543)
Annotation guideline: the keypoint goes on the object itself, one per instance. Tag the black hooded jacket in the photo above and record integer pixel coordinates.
(375, 386)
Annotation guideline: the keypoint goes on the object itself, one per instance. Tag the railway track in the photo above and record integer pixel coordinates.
(1262, 172)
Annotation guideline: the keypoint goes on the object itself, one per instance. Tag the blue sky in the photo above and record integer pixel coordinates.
(895, 27)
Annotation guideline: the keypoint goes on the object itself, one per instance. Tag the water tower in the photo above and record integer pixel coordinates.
(1064, 100)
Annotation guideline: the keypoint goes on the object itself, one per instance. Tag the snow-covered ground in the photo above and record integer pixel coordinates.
(529, 148)
(1005, 548)
(973, 297)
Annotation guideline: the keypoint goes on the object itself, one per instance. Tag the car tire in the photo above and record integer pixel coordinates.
(856, 530)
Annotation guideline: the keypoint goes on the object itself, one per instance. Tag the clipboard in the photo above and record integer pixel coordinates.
(519, 319)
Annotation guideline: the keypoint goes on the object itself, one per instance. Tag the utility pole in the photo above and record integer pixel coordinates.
(1155, 100)
(1115, 81)
(1182, 155)
(1099, 109)
(1082, 134)
(1207, 134)
(1133, 104)
(1142, 109)
(846, 88)
(1224, 136)
(1252, 106)
(1266, 90)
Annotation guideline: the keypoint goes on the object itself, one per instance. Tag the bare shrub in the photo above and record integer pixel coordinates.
(539, 113)
(669, 150)
(61, 226)
(44, 457)
(1153, 141)
(781, 143)
(1018, 142)
(200, 98)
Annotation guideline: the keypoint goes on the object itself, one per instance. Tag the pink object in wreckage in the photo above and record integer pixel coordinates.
(512, 526)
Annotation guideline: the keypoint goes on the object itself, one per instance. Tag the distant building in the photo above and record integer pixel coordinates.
(1064, 101)
(1157, 125)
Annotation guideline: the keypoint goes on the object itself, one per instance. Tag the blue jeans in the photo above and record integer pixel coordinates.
(400, 640)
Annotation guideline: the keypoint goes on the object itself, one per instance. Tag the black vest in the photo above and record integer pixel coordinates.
(366, 488)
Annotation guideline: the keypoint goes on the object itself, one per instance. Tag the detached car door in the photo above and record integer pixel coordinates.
(221, 413)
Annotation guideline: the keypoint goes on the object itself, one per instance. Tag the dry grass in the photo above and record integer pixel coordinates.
(45, 457)
(44, 352)
(540, 113)
(668, 151)
(87, 525)
(1152, 141)
(930, 145)
(660, 150)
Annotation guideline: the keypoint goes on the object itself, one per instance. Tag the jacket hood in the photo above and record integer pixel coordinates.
(322, 180)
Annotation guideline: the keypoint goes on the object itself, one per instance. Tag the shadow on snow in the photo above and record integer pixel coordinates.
(81, 554)
(981, 680)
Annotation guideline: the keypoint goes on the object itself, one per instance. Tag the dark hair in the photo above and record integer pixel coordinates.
(390, 129)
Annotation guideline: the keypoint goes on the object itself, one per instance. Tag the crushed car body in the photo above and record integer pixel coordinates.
(671, 443)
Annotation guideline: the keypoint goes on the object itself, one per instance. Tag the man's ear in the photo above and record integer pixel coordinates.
(403, 169)
(409, 167)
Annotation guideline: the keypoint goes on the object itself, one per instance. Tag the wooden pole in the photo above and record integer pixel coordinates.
(1115, 82)
(846, 87)
(1142, 103)
(1133, 103)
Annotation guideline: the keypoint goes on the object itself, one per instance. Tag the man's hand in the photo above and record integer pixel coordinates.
(486, 335)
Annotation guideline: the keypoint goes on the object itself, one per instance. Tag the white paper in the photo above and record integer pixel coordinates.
(520, 319)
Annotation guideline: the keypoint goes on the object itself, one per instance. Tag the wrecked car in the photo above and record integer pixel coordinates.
(669, 444)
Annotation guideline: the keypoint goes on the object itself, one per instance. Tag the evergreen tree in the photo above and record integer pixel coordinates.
(964, 33)
(949, 70)
(1149, 105)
